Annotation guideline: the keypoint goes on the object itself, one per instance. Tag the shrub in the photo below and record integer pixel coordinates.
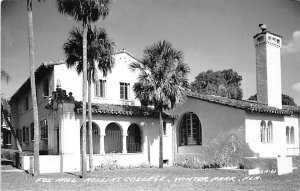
(228, 150)
(13, 155)
(109, 164)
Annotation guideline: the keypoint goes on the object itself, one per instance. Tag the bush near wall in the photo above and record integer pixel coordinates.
(13, 155)
(228, 150)
(296, 161)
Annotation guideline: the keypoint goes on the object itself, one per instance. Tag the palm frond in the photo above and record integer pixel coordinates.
(86, 11)
(162, 76)
(100, 51)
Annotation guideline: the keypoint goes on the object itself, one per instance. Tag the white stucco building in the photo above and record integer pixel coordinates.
(127, 133)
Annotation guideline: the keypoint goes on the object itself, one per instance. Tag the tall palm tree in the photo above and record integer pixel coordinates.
(33, 90)
(85, 11)
(162, 81)
(99, 55)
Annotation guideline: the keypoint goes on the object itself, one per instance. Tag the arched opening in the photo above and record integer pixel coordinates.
(290, 135)
(270, 132)
(262, 131)
(134, 139)
(190, 130)
(113, 139)
(287, 133)
(95, 138)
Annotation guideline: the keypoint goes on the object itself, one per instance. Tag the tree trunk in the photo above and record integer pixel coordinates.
(160, 164)
(33, 90)
(84, 76)
(90, 127)
(12, 131)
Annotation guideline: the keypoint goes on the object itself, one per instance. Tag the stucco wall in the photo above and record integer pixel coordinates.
(72, 82)
(217, 121)
(70, 123)
(21, 118)
(279, 145)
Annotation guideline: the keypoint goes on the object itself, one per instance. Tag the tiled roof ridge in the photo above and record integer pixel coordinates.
(116, 109)
(243, 104)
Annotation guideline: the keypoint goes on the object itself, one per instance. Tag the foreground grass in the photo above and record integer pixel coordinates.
(174, 178)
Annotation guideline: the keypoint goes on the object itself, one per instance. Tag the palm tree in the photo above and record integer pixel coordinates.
(33, 89)
(162, 81)
(5, 109)
(99, 55)
(85, 11)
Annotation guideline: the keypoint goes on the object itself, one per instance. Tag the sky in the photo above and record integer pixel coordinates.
(212, 34)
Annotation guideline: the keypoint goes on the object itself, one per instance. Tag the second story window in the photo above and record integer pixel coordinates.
(44, 129)
(124, 90)
(100, 88)
(25, 134)
(26, 103)
(46, 88)
(32, 131)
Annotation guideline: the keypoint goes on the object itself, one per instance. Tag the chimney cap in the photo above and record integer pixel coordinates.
(263, 27)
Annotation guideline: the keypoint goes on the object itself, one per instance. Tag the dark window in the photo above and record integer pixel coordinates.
(190, 130)
(44, 129)
(32, 131)
(134, 139)
(113, 139)
(46, 89)
(26, 103)
(25, 136)
(124, 90)
(100, 88)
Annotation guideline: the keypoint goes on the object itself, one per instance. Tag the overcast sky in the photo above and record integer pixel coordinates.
(213, 34)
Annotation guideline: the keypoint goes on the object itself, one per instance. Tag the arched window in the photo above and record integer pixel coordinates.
(290, 135)
(270, 132)
(262, 131)
(287, 133)
(113, 139)
(190, 130)
(134, 139)
(95, 138)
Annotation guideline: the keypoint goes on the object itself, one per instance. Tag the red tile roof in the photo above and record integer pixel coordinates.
(125, 110)
(246, 105)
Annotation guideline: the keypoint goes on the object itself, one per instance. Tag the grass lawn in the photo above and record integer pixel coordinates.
(174, 178)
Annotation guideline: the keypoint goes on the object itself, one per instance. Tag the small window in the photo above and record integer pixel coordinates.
(124, 90)
(46, 89)
(19, 135)
(32, 131)
(266, 132)
(8, 139)
(165, 128)
(25, 136)
(100, 88)
(26, 103)
(290, 135)
(269, 37)
(44, 129)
